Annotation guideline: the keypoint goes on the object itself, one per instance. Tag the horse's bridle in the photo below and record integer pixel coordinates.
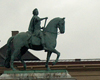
(54, 32)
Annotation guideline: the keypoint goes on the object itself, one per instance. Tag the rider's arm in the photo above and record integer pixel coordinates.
(40, 19)
(43, 18)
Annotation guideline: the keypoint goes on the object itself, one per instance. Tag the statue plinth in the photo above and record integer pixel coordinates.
(38, 75)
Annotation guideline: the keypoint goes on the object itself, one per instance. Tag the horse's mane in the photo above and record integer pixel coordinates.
(54, 20)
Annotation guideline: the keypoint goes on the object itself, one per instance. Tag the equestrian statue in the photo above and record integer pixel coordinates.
(35, 39)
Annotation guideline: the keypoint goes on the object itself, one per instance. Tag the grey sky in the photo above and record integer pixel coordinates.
(82, 37)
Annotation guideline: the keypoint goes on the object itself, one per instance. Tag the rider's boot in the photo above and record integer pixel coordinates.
(44, 47)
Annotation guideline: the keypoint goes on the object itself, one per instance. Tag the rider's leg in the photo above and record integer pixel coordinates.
(42, 40)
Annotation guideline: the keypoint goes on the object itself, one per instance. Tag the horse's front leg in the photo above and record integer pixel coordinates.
(58, 55)
(47, 61)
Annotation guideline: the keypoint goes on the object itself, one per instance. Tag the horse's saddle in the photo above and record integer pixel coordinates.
(33, 39)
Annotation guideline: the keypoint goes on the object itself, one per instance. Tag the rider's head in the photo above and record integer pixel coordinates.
(35, 11)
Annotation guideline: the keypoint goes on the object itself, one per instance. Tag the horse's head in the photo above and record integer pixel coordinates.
(61, 25)
(54, 24)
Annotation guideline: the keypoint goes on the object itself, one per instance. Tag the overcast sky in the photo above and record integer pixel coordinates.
(82, 36)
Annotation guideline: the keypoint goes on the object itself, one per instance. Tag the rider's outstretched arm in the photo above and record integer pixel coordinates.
(43, 18)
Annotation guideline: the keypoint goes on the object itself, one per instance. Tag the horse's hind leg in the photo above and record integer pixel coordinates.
(47, 61)
(22, 52)
(20, 58)
(13, 56)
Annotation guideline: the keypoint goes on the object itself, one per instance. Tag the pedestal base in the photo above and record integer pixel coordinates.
(37, 75)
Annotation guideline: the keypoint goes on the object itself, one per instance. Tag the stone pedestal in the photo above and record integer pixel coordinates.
(37, 75)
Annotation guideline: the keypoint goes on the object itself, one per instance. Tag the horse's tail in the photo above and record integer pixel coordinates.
(8, 57)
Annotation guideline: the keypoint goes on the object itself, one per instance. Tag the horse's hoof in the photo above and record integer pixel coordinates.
(46, 65)
(14, 69)
(48, 69)
(53, 63)
(24, 68)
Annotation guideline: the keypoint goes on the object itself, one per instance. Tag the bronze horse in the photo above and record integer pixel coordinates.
(24, 41)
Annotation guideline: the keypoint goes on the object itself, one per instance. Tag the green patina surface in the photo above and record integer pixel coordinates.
(35, 39)
(36, 71)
